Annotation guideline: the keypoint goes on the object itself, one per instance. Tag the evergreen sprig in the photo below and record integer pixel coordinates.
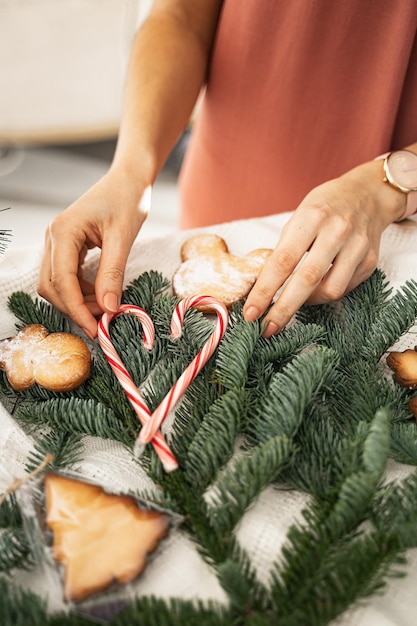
(37, 311)
(14, 550)
(310, 408)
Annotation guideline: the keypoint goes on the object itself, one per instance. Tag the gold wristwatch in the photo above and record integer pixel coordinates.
(400, 169)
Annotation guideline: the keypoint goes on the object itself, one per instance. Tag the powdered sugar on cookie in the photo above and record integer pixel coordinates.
(208, 268)
(56, 361)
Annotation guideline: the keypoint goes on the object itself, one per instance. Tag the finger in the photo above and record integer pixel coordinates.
(278, 267)
(111, 270)
(90, 299)
(46, 288)
(296, 291)
(306, 278)
(64, 287)
(350, 269)
(314, 284)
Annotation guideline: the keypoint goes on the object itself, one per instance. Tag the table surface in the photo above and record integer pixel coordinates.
(180, 571)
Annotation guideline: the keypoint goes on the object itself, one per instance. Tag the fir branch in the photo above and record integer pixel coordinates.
(351, 570)
(194, 405)
(145, 289)
(214, 545)
(404, 442)
(376, 444)
(394, 319)
(249, 597)
(37, 311)
(14, 550)
(287, 343)
(347, 322)
(163, 377)
(395, 510)
(280, 410)
(173, 612)
(234, 354)
(214, 440)
(74, 415)
(356, 391)
(309, 547)
(324, 456)
(243, 481)
(22, 607)
(65, 449)
(246, 594)
(161, 313)
(293, 398)
(9, 512)
(104, 387)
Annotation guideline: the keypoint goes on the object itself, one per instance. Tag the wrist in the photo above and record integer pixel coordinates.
(135, 164)
(388, 203)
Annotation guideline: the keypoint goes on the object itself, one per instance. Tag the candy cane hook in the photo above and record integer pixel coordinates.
(140, 407)
(152, 426)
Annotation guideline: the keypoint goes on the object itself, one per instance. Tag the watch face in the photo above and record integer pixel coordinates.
(401, 170)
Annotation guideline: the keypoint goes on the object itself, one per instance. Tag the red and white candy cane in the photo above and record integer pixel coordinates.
(152, 426)
(142, 411)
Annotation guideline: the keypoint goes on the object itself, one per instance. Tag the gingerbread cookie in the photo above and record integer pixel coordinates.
(404, 366)
(57, 361)
(99, 538)
(208, 268)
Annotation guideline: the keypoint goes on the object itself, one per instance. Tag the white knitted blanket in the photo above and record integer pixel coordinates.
(179, 570)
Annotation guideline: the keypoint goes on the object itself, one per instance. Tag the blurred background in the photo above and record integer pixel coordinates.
(62, 71)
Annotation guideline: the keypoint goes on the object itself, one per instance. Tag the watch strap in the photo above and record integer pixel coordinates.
(411, 206)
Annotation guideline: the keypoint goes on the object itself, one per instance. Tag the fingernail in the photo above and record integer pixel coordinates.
(88, 333)
(270, 330)
(251, 314)
(111, 302)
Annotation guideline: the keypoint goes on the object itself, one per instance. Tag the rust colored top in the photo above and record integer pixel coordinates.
(299, 91)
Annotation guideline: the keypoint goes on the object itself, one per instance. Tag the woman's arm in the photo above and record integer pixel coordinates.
(167, 68)
(329, 246)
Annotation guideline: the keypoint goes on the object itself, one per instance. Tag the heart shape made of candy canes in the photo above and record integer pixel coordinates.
(151, 422)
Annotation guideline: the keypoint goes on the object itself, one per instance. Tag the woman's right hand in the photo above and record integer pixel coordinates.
(108, 216)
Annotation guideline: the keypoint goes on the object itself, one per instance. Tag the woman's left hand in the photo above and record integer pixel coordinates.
(329, 246)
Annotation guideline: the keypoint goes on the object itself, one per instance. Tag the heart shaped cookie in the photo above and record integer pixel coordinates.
(207, 267)
(56, 361)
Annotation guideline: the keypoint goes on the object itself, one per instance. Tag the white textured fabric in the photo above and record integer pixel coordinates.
(178, 570)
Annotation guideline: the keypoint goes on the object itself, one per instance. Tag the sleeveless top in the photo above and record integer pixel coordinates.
(298, 92)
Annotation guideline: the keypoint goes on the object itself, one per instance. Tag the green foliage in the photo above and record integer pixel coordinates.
(155, 612)
(214, 440)
(14, 550)
(10, 513)
(404, 442)
(310, 409)
(244, 480)
(74, 415)
(37, 311)
(395, 507)
(280, 408)
(145, 289)
(65, 448)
